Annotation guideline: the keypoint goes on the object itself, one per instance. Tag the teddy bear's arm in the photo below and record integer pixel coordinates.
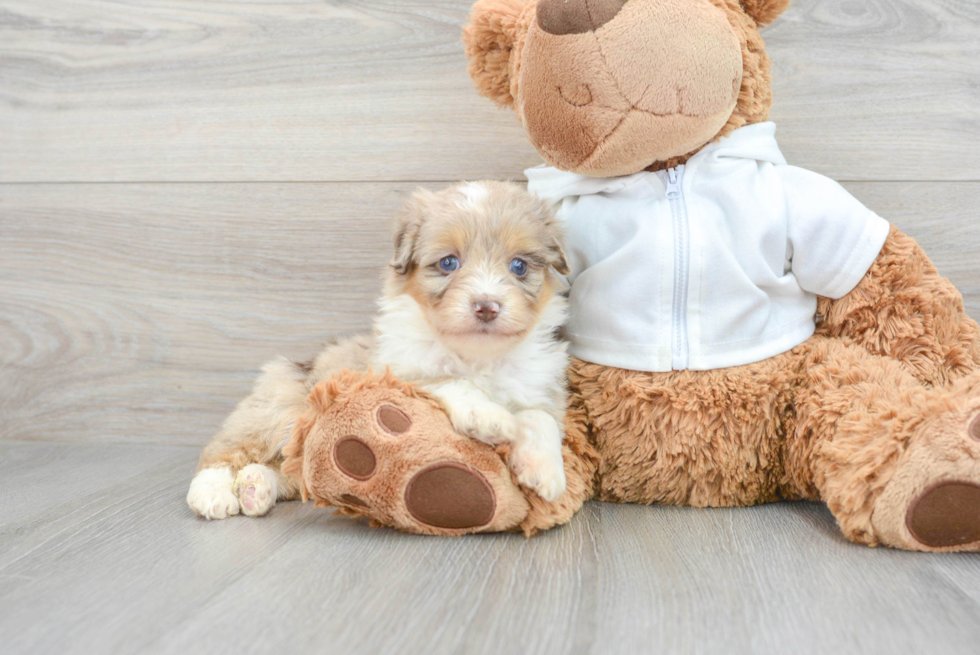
(904, 309)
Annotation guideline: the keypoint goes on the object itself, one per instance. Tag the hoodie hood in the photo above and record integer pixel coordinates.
(753, 142)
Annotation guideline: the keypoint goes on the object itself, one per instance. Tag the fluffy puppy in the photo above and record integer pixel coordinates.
(470, 311)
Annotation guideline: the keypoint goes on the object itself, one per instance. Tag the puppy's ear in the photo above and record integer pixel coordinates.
(556, 240)
(559, 263)
(764, 11)
(489, 39)
(408, 222)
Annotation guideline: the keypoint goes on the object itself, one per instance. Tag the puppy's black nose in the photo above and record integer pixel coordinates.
(486, 310)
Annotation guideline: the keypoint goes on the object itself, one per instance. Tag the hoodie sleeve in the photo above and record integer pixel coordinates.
(834, 239)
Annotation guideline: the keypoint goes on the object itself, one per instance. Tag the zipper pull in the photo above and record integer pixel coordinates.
(674, 176)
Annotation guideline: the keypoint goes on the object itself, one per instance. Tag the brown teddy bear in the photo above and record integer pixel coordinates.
(743, 331)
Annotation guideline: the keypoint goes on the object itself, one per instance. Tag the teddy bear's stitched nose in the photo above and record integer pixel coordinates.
(561, 17)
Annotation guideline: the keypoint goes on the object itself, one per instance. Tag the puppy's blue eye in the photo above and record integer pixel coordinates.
(449, 264)
(518, 267)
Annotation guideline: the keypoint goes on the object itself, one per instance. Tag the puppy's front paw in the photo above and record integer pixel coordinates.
(538, 468)
(536, 456)
(492, 425)
(256, 488)
(211, 494)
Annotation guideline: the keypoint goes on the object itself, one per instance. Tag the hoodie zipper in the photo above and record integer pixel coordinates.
(680, 352)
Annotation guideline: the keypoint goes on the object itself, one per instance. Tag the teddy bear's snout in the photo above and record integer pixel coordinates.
(560, 17)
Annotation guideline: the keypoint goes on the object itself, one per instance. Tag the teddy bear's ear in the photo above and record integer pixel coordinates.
(489, 38)
(764, 11)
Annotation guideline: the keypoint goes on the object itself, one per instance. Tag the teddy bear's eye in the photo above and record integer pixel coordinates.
(577, 95)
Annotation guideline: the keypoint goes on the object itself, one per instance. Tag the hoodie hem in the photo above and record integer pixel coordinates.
(657, 359)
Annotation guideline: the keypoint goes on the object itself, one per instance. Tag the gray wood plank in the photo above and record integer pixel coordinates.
(141, 313)
(104, 556)
(383, 592)
(879, 89)
(773, 579)
(130, 311)
(295, 90)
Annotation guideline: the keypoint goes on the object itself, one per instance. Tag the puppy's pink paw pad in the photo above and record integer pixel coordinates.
(256, 490)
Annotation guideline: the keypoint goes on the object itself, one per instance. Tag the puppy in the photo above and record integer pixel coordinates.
(470, 311)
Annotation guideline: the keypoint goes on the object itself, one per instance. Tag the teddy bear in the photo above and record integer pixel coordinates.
(742, 331)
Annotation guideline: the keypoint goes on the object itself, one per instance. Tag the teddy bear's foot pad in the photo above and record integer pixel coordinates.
(448, 495)
(373, 446)
(946, 514)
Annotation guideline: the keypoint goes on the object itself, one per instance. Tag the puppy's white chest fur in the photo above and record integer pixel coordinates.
(530, 375)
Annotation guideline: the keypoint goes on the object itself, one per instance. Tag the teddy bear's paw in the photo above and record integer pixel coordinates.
(256, 488)
(946, 514)
(211, 495)
(932, 501)
(440, 490)
(381, 450)
(536, 457)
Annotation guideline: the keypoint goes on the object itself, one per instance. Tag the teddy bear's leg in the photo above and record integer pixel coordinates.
(701, 438)
(905, 310)
(895, 460)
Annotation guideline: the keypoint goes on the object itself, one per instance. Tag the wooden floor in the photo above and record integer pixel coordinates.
(100, 555)
(190, 187)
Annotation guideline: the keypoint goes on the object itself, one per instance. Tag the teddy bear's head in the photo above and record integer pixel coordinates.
(613, 87)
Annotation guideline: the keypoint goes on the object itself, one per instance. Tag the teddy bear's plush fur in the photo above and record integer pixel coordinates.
(877, 414)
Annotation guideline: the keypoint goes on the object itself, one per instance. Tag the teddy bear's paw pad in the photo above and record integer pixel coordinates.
(352, 500)
(974, 429)
(355, 458)
(393, 420)
(211, 495)
(256, 488)
(946, 514)
(451, 496)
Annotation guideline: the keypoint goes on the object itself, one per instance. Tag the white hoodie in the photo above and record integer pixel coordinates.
(713, 264)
